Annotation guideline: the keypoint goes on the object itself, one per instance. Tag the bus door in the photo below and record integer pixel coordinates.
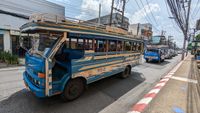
(48, 62)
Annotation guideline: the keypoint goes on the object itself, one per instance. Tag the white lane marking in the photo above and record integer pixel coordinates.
(133, 112)
(184, 79)
(160, 84)
(154, 91)
(145, 100)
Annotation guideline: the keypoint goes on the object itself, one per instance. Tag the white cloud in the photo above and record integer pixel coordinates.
(139, 15)
(90, 8)
(158, 17)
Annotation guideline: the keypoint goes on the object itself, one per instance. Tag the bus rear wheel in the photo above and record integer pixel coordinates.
(126, 72)
(73, 89)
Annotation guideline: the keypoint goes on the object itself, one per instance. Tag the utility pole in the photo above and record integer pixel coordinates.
(123, 2)
(138, 28)
(180, 10)
(99, 20)
(111, 14)
(186, 29)
(123, 8)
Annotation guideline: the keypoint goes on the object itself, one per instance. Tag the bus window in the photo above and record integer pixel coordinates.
(131, 46)
(139, 46)
(101, 46)
(127, 46)
(80, 44)
(76, 43)
(67, 43)
(112, 46)
(88, 44)
(73, 43)
(135, 46)
(119, 46)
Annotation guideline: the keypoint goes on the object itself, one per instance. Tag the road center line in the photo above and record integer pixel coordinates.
(184, 79)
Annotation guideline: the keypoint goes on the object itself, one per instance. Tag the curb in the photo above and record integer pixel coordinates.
(143, 103)
(12, 68)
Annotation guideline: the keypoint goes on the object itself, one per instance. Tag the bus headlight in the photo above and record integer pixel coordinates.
(37, 82)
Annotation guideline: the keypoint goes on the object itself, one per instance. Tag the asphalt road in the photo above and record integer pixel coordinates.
(14, 98)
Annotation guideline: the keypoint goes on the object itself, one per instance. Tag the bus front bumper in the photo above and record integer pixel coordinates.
(36, 91)
(151, 58)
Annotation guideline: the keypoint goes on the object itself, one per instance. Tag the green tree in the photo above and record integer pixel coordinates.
(198, 37)
(189, 46)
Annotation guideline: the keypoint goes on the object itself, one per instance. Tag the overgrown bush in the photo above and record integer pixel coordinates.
(8, 58)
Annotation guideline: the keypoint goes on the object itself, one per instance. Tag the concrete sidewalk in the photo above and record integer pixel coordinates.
(181, 92)
(151, 72)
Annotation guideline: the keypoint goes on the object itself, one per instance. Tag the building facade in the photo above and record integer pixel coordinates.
(14, 13)
(141, 30)
(116, 21)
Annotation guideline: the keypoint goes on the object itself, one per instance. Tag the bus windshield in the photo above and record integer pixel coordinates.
(42, 43)
(156, 39)
(153, 50)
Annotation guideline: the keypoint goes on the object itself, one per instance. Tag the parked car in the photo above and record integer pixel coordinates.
(168, 54)
(173, 53)
(180, 51)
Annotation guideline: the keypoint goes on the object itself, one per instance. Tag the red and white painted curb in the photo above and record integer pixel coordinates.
(142, 104)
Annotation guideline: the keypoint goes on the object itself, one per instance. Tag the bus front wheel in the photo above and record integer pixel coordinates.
(126, 72)
(73, 89)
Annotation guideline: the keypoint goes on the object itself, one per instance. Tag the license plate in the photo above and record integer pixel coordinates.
(150, 57)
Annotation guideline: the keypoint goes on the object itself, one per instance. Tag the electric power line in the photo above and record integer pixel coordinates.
(151, 12)
(149, 21)
(144, 10)
(170, 19)
(196, 5)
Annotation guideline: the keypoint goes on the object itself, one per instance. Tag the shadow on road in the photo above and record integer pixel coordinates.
(97, 96)
(160, 64)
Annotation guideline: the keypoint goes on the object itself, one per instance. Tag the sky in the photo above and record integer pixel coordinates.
(148, 11)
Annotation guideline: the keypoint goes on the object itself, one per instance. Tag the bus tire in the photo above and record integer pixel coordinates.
(147, 60)
(73, 89)
(126, 72)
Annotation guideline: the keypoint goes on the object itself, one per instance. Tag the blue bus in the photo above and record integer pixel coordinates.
(154, 54)
(66, 56)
